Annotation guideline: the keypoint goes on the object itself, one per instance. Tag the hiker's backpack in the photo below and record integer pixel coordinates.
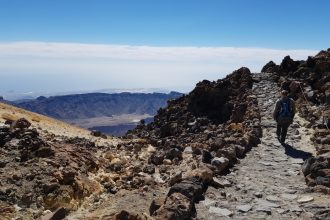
(285, 109)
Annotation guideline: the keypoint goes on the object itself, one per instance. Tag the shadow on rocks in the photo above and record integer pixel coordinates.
(294, 153)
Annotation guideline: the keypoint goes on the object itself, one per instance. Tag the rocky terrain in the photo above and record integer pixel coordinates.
(210, 154)
(44, 164)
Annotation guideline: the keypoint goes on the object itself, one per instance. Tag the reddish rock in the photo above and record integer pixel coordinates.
(177, 206)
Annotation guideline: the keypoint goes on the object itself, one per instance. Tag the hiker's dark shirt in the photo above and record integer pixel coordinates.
(278, 106)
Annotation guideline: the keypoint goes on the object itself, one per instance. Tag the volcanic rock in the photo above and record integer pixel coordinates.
(317, 171)
(176, 206)
(58, 214)
(220, 163)
(21, 123)
(270, 67)
(192, 189)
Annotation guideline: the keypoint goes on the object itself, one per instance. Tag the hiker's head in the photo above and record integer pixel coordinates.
(284, 93)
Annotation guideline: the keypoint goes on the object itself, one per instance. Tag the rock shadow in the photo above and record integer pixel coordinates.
(294, 153)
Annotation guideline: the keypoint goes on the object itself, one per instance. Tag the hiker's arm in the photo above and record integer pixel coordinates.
(276, 110)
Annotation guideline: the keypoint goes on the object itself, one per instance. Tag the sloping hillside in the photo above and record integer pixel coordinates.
(92, 105)
(9, 112)
(110, 113)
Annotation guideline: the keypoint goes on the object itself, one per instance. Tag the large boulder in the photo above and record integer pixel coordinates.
(213, 99)
(288, 65)
(220, 163)
(193, 189)
(270, 67)
(21, 123)
(176, 206)
(317, 171)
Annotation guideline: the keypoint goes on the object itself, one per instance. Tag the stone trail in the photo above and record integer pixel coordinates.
(268, 183)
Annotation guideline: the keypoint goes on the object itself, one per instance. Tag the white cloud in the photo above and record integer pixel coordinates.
(125, 52)
(96, 66)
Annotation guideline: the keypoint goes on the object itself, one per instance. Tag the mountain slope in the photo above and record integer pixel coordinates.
(94, 105)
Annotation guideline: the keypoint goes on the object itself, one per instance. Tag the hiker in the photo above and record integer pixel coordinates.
(283, 114)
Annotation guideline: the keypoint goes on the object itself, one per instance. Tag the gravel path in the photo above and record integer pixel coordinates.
(268, 183)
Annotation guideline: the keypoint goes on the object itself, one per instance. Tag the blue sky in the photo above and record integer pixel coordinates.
(242, 23)
(264, 29)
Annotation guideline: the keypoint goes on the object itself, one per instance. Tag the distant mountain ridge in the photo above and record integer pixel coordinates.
(91, 105)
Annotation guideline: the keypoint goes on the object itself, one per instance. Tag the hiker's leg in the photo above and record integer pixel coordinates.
(278, 131)
(284, 132)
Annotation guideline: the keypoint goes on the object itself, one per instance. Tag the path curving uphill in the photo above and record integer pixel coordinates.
(268, 182)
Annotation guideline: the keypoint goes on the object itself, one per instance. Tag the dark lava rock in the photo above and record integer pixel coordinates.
(98, 134)
(288, 65)
(206, 156)
(157, 158)
(317, 171)
(155, 205)
(270, 67)
(125, 215)
(21, 123)
(190, 188)
(313, 73)
(150, 169)
(58, 214)
(173, 153)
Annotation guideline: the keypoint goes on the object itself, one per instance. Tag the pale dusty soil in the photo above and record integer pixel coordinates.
(50, 126)
(109, 121)
(136, 201)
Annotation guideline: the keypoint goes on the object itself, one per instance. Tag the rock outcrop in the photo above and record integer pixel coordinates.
(208, 118)
(313, 75)
(317, 171)
(217, 122)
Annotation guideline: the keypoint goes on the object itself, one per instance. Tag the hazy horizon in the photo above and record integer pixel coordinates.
(62, 67)
(62, 46)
